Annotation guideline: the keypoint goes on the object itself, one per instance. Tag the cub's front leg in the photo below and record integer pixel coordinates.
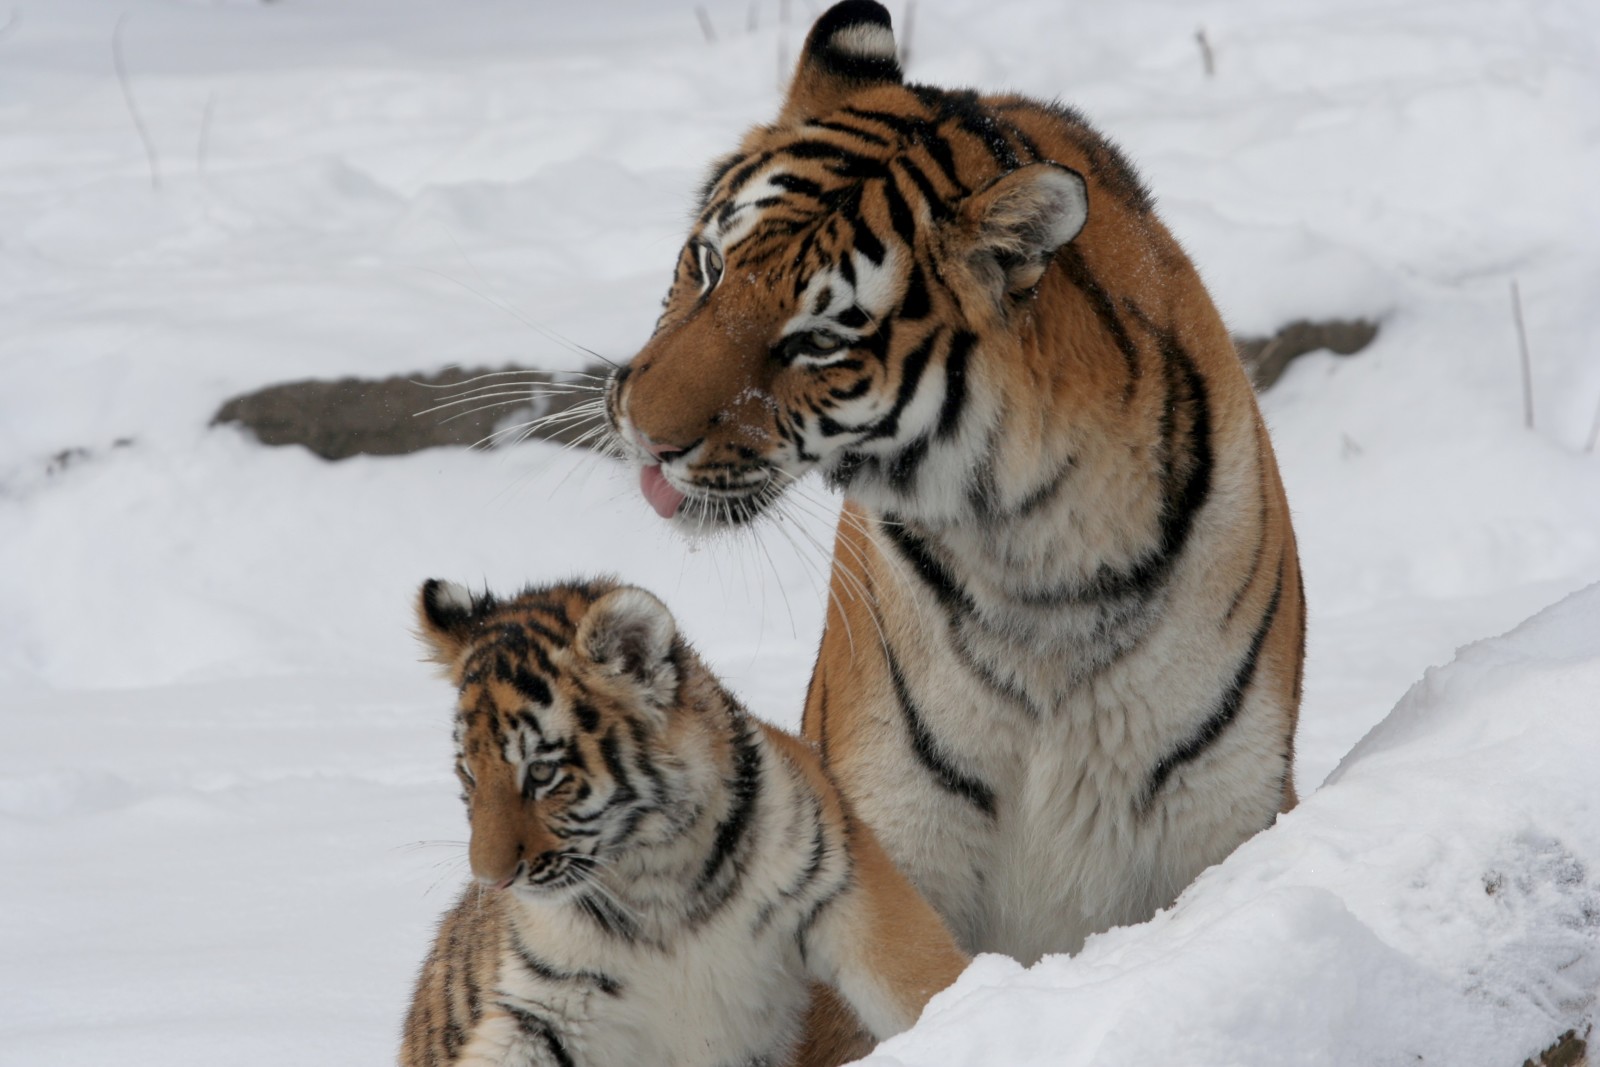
(883, 948)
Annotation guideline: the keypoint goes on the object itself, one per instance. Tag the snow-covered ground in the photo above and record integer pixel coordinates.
(226, 816)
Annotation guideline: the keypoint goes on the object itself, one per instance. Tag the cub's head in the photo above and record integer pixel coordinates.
(850, 269)
(567, 696)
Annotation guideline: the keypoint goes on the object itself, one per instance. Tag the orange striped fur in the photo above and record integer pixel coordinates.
(1061, 668)
(659, 878)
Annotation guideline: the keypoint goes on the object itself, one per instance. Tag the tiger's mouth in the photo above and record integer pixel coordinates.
(698, 507)
(661, 494)
(699, 488)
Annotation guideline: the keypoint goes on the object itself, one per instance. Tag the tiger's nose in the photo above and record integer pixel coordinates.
(656, 449)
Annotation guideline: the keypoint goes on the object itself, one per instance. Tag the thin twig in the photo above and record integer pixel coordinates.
(1594, 431)
(706, 28)
(908, 25)
(1527, 361)
(13, 20)
(1208, 58)
(133, 109)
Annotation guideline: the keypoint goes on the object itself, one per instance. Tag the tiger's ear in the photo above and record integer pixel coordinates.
(630, 634)
(445, 611)
(1013, 226)
(850, 48)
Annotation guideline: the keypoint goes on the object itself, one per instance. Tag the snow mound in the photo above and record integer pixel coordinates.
(1436, 902)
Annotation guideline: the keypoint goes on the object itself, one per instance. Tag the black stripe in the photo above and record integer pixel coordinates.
(955, 382)
(607, 916)
(588, 718)
(795, 184)
(902, 468)
(1300, 642)
(853, 131)
(532, 1025)
(642, 761)
(931, 571)
(540, 969)
(744, 174)
(926, 748)
(936, 203)
(986, 129)
(718, 172)
(1186, 485)
(938, 149)
(866, 242)
(1226, 710)
(622, 794)
(1261, 543)
(743, 791)
(1047, 489)
(914, 304)
(856, 66)
(1077, 271)
(900, 216)
(531, 686)
(911, 370)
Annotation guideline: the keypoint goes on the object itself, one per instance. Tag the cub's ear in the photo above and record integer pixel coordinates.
(630, 633)
(850, 48)
(1012, 227)
(446, 613)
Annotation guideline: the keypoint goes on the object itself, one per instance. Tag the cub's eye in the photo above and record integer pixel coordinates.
(710, 268)
(538, 776)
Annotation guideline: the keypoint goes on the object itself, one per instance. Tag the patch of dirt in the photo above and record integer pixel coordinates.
(1570, 1050)
(396, 416)
(1266, 358)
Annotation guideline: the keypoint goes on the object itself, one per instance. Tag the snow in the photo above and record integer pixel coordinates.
(226, 809)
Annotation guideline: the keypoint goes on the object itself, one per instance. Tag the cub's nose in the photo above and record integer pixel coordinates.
(495, 880)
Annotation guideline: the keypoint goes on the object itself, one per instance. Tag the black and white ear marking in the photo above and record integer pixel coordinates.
(851, 47)
(446, 611)
(855, 39)
(630, 633)
(1020, 219)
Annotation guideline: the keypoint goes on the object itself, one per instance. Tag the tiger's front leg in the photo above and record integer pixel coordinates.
(884, 951)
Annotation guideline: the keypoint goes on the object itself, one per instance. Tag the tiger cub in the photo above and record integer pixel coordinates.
(659, 876)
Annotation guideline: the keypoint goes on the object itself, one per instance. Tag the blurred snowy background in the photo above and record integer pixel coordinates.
(227, 822)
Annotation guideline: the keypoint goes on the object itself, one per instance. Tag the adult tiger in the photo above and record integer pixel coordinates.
(1061, 668)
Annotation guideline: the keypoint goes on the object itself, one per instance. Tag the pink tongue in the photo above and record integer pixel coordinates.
(661, 495)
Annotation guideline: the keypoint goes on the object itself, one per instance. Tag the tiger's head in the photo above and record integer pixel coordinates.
(851, 272)
(566, 726)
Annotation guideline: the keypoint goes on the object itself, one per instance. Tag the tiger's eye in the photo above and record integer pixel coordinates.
(822, 342)
(710, 266)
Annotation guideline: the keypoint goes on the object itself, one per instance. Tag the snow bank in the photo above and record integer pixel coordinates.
(1437, 901)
